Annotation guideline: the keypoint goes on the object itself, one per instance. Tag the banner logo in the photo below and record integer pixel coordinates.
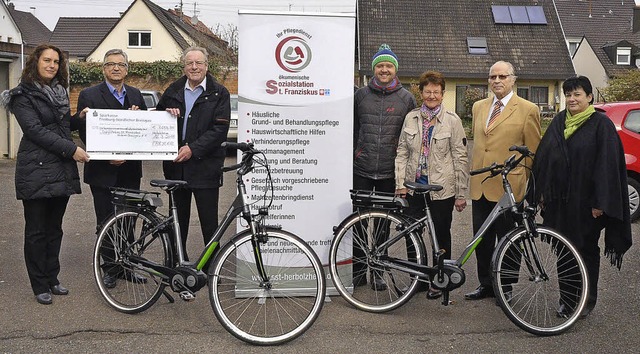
(293, 54)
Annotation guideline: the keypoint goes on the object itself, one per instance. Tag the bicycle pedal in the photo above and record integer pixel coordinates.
(187, 296)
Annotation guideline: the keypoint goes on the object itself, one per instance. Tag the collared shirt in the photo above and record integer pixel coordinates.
(190, 97)
(119, 96)
(504, 100)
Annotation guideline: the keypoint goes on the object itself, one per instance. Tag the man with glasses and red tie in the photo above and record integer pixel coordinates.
(499, 122)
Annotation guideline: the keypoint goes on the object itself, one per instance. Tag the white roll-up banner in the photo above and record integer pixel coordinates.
(296, 85)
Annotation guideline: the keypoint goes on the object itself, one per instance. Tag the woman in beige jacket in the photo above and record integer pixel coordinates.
(433, 150)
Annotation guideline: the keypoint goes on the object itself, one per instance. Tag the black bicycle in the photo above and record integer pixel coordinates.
(266, 285)
(535, 269)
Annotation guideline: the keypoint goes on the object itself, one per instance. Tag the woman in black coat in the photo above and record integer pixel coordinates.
(46, 170)
(580, 178)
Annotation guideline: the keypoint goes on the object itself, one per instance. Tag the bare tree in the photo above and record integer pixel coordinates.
(229, 33)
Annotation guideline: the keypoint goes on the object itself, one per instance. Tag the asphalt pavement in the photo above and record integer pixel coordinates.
(82, 322)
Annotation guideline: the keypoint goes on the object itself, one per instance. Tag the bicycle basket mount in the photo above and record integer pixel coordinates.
(377, 200)
(135, 198)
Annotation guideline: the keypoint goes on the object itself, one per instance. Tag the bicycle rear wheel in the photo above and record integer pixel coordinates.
(271, 312)
(356, 269)
(123, 283)
(533, 277)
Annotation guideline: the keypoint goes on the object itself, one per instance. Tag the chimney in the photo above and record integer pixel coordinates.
(636, 18)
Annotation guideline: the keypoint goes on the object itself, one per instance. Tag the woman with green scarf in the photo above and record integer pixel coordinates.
(580, 181)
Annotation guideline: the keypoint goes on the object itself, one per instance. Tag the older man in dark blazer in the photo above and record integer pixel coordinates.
(499, 122)
(101, 175)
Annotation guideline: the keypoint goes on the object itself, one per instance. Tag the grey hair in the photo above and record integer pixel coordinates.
(511, 70)
(192, 49)
(116, 52)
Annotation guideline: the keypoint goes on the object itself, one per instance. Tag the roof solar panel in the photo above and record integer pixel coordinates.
(501, 14)
(519, 14)
(536, 15)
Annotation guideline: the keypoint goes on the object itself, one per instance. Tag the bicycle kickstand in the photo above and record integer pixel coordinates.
(169, 297)
(445, 298)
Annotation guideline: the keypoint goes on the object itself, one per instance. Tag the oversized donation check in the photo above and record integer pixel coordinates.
(117, 134)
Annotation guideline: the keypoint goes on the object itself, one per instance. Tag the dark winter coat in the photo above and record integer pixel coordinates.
(207, 129)
(580, 173)
(45, 167)
(101, 172)
(379, 115)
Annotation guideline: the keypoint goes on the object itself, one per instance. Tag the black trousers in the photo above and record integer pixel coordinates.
(367, 184)
(481, 209)
(442, 215)
(207, 206)
(42, 241)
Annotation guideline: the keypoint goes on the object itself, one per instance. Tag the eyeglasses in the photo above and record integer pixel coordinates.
(198, 63)
(112, 65)
(501, 77)
(430, 93)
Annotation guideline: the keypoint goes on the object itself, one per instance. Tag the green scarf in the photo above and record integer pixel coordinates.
(574, 122)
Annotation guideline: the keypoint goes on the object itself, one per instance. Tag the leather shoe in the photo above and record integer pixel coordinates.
(508, 296)
(564, 311)
(378, 283)
(59, 290)
(44, 298)
(109, 281)
(359, 280)
(480, 293)
(433, 294)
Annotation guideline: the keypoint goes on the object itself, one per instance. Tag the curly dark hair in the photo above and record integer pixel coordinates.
(30, 72)
(431, 77)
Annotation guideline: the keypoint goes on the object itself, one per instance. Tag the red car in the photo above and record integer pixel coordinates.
(626, 117)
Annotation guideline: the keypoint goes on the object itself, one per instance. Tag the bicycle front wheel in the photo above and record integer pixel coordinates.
(540, 282)
(124, 240)
(273, 310)
(357, 269)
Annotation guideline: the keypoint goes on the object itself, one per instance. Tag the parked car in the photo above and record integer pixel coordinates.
(232, 135)
(626, 117)
(151, 98)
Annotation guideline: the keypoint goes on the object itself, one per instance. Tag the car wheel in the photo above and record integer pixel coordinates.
(634, 198)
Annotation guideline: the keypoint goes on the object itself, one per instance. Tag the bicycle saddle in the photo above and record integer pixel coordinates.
(167, 183)
(422, 188)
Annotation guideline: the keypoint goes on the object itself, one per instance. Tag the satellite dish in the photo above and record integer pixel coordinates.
(194, 20)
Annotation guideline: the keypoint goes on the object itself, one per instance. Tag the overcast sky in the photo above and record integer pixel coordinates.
(211, 12)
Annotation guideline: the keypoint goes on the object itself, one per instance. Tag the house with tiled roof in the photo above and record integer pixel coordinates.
(80, 35)
(603, 37)
(32, 30)
(148, 32)
(463, 38)
(12, 53)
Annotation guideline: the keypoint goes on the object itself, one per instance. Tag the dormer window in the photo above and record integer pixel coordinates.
(477, 45)
(623, 56)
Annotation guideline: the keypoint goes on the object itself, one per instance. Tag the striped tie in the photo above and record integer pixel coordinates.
(495, 113)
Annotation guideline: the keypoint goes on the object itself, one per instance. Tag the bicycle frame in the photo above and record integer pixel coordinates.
(506, 202)
(239, 206)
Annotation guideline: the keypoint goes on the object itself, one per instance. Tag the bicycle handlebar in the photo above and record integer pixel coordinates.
(244, 147)
(485, 169)
(231, 168)
(508, 165)
(523, 150)
(246, 164)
